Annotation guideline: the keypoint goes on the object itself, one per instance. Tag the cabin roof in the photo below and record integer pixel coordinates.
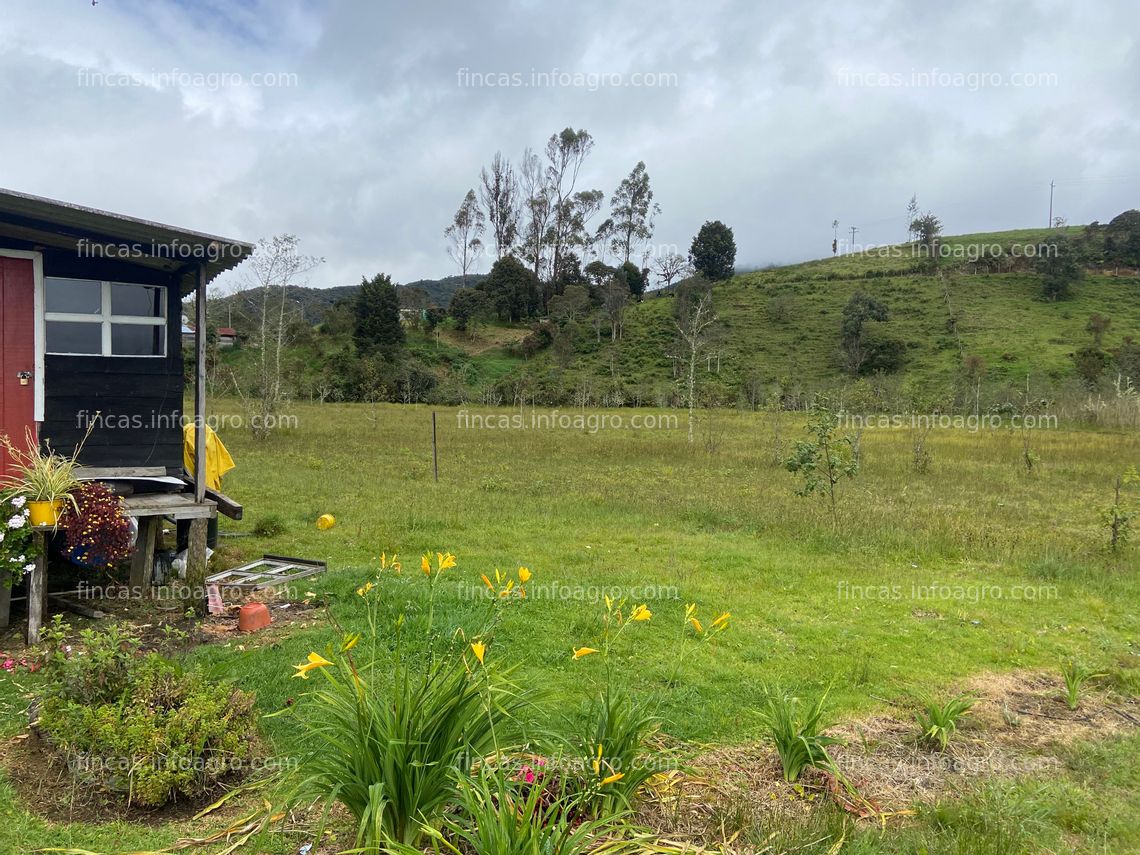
(82, 230)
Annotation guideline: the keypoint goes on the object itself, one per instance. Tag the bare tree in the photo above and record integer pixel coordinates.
(615, 298)
(695, 320)
(499, 193)
(670, 266)
(466, 235)
(276, 265)
(537, 207)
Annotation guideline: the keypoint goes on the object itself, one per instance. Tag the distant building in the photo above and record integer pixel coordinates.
(187, 333)
(227, 336)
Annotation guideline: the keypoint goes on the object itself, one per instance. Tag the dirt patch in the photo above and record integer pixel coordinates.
(46, 787)
(1016, 728)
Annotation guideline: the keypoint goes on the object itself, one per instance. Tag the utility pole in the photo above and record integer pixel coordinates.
(1051, 183)
(853, 230)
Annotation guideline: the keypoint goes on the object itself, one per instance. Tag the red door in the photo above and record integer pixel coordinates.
(17, 352)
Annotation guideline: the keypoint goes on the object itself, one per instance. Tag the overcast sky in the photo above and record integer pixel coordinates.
(776, 118)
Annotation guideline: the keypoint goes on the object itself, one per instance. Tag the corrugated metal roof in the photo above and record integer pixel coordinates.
(79, 229)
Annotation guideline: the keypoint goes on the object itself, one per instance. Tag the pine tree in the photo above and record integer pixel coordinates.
(378, 329)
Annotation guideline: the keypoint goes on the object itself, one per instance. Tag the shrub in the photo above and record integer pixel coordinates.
(96, 529)
(501, 816)
(795, 731)
(270, 525)
(141, 727)
(613, 758)
(1075, 676)
(937, 722)
(390, 733)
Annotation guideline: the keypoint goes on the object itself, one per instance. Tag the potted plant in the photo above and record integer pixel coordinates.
(97, 531)
(19, 543)
(44, 477)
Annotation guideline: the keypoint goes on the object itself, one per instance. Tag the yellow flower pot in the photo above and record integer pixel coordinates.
(44, 513)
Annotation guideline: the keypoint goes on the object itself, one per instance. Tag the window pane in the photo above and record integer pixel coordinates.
(136, 300)
(137, 339)
(75, 296)
(74, 337)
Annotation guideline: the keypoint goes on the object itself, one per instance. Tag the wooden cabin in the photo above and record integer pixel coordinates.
(91, 330)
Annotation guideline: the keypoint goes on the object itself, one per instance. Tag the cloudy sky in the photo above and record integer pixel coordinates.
(360, 125)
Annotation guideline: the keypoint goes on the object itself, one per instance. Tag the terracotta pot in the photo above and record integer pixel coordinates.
(253, 616)
(45, 513)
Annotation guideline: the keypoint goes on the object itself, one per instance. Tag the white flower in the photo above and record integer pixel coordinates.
(17, 521)
(2, 535)
(28, 568)
(19, 501)
(21, 559)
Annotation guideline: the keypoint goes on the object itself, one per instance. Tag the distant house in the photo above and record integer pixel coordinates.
(227, 336)
(411, 317)
(187, 333)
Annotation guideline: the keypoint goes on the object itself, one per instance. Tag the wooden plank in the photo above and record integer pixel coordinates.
(180, 506)
(196, 565)
(200, 389)
(226, 506)
(77, 608)
(119, 472)
(142, 562)
(5, 605)
(37, 590)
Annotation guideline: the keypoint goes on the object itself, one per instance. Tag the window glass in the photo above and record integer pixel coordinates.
(137, 339)
(73, 296)
(136, 300)
(74, 337)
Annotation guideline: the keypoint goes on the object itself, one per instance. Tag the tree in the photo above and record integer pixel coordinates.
(911, 216)
(499, 193)
(826, 459)
(537, 207)
(713, 252)
(632, 210)
(852, 334)
(615, 298)
(565, 153)
(571, 304)
(926, 230)
(634, 279)
(378, 330)
(1058, 266)
(1098, 325)
(465, 234)
(671, 266)
(695, 318)
(468, 306)
(512, 290)
(276, 265)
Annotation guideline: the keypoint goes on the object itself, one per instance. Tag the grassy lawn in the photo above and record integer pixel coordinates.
(975, 566)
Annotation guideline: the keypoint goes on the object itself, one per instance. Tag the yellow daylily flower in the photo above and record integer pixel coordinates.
(524, 575)
(444, 560)
(611, 779)
(579, 652)
(597, 762)
(425, 564)
(315, 661)
(722, 621)
(609, 603)
(696, 625)
(350, 641)
(479, 649)
(690, 611)
(487, 582)
(641, 613)
(364, 589)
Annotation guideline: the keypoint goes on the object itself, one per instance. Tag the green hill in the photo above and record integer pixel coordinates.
(980, 305)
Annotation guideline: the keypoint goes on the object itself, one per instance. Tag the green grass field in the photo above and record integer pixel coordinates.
(642, 514)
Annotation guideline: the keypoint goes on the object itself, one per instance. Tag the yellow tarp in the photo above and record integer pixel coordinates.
(218, 460)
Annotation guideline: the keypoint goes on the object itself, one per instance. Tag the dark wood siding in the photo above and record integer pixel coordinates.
(139, 399)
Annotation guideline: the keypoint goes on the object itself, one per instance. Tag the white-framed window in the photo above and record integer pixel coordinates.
(87, 317)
